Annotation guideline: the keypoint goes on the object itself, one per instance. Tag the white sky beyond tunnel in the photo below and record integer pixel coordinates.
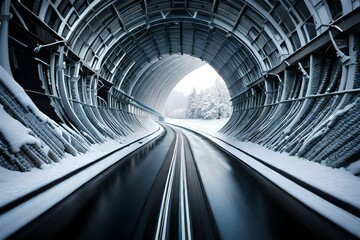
(202, 78)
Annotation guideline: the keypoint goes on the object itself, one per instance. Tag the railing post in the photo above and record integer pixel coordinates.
(4, 35)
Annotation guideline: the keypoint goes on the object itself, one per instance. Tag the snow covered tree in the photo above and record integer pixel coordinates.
(212, 103)
(208, 108)
(192, 111)
(221, 99)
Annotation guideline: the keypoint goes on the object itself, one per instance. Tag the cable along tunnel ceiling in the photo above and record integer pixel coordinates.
(126, 41)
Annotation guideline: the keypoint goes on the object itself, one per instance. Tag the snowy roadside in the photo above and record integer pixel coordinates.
(207, 126)
(16, 184)
(340, 183)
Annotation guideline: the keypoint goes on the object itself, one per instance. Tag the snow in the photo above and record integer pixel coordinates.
(21, 95)
(22, 183)
(340, 183)
(16, 184)
(15, 133)
(343, 111)
(208, 126)
(25, 182)
(354, 167)
(212, 103)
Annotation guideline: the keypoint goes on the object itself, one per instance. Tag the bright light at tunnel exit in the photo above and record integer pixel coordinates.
(202, 78)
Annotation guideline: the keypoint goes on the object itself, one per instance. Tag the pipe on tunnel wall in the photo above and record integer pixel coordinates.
(4, 40)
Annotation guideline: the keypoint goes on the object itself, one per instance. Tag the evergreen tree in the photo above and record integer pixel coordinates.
(208, 109)
(199, 100)
(213, 103)
(191, 111)
(222, 99)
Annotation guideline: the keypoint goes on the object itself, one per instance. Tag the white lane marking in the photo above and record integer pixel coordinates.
(184, 199)
(165, 203)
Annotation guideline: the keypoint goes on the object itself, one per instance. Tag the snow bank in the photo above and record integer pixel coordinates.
(15, 184)
(208, 126)
(340, 183)
(354, 167)
(20, 94)
(15, 133)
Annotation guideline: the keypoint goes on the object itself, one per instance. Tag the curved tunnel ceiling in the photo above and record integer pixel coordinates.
(128, 41)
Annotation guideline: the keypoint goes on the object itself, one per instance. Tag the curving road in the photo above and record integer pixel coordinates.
(180, 186)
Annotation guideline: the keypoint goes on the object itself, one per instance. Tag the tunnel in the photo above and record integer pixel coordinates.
(291, 68)
(78, 73)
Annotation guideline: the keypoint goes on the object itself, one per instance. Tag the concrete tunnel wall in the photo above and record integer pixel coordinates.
(103, 69)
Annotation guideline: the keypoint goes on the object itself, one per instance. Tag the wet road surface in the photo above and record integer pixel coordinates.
(180, 187)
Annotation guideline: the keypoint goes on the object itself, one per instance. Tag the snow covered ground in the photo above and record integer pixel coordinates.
(337, 182)
(208, 126)
(340, 183)
(15, 184)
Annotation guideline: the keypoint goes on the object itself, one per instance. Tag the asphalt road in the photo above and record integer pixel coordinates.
(180, 187)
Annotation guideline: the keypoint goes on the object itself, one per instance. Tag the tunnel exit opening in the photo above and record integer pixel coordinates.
(201, 94)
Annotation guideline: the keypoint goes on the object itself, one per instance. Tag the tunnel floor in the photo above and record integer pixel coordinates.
(180, 187)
